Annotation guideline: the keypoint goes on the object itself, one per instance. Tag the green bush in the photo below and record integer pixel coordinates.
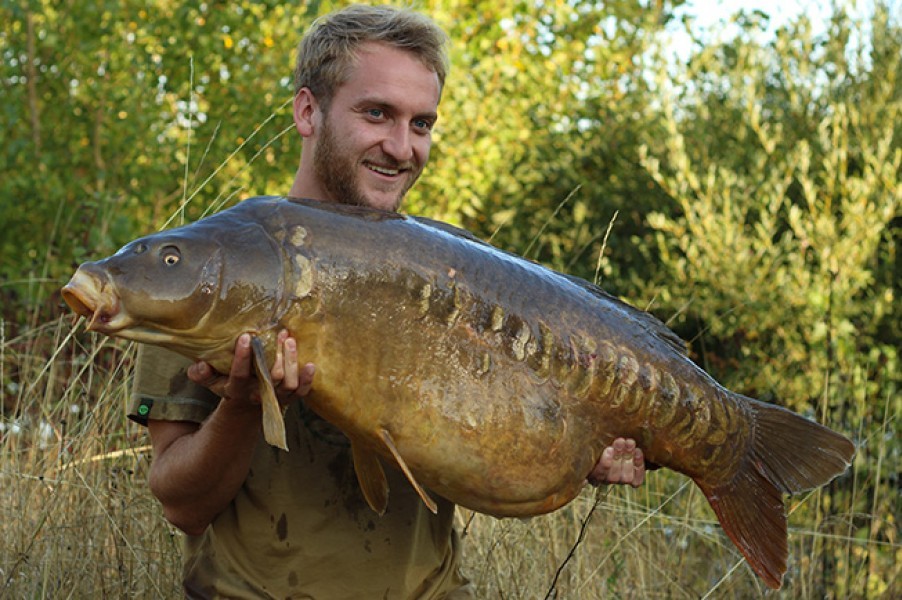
(777, 248)
(781, 164)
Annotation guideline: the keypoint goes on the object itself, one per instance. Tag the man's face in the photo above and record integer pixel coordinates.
(374, 141)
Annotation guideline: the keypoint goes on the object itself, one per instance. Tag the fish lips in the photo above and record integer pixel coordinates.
(92, 296)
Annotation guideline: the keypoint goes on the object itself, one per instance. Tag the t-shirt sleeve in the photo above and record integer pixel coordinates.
(162, 390)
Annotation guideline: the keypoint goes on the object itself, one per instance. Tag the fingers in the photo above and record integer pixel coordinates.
(203, 374)
(200, 372)
(284, 370)
(290, 379)
(241, 362)
(242, 384)
(278, 369)
(305, 379)
(622, 469)
(621, 462)
(638, 468)
(290, 364)
(599, 474)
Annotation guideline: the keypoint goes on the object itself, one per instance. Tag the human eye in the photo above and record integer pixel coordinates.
(376, 114)
(423, 125)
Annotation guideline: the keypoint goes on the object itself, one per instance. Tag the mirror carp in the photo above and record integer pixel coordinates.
(485, 377)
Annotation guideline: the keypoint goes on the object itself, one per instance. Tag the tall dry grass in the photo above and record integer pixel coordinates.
(76, 516)
(77, 519)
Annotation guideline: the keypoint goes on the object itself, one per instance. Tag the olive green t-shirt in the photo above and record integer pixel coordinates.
(299, 526)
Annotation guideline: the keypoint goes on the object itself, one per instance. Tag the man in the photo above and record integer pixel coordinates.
(262, 522)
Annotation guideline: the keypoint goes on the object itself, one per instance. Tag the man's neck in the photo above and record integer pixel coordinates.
(302, 188)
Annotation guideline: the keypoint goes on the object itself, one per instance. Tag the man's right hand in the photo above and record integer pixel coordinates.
(240, 386)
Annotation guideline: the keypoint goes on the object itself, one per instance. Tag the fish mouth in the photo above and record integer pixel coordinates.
(92, 297)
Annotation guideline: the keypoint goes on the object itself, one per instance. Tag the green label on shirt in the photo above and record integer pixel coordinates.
(144, 408)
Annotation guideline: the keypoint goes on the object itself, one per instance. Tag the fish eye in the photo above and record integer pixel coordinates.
(170, 255)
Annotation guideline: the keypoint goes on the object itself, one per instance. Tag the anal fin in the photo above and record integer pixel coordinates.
(273, 420)
(371, 478)
(390, 444)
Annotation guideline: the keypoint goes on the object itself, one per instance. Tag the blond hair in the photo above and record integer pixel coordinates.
(328, 51)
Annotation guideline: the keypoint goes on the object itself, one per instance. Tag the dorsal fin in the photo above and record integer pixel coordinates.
(646, 320)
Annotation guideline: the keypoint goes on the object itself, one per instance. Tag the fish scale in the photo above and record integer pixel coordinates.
(486, 378)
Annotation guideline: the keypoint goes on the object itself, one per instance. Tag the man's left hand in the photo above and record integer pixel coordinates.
(621, 462)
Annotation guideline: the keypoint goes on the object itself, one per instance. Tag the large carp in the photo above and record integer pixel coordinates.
(488, 379)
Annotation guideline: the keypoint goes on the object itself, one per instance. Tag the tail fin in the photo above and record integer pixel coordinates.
(787, 454)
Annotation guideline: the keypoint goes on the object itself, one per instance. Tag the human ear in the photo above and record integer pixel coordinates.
(305, 108)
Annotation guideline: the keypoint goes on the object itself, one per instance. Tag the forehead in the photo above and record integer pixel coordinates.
(390, 75)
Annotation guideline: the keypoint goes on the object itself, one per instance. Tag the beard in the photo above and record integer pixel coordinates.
(336, 168)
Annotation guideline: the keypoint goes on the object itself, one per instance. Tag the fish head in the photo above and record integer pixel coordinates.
(194, 290)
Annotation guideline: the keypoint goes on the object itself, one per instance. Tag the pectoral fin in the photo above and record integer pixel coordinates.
(390, 444)
(371, 478)
(273, 421)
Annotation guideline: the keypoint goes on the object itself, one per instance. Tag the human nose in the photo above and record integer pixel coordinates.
(398, 144)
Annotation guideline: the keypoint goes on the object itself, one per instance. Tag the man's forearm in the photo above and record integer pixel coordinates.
(198, 470)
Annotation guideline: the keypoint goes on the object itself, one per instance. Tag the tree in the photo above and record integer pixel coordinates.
(119, 115)
(540, 124)
(777, 248)
(780, 234)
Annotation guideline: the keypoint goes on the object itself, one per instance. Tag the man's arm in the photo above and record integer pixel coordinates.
(198, 468)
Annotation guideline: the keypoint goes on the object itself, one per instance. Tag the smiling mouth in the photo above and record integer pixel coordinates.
(383, 170)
